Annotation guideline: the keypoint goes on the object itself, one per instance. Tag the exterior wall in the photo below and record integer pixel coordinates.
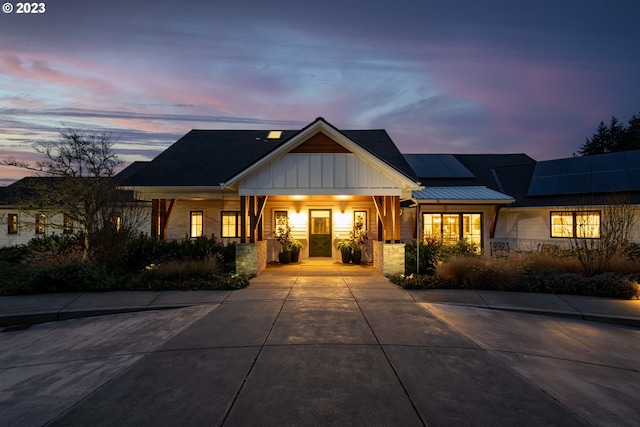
(342, 214)
(26, 227)
(527, 228)
(388, 258)
(180, 222)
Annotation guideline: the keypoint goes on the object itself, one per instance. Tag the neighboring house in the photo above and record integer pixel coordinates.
(236, 184)
(20, 224)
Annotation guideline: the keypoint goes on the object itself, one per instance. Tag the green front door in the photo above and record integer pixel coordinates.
(320, 232)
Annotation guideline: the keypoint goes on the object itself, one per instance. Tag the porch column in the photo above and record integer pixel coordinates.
(388, 209)
(243, 219)
(160, 215)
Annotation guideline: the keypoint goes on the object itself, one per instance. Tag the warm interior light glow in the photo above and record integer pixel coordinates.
(274, 134)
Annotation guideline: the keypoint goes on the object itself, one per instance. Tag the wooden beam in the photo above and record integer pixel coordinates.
(167, 217)
(262, 202)
(378, 202)
(396, 219)
(243, 219)
(494, 221)
(388, 220)
(252, 219)
(155, 218)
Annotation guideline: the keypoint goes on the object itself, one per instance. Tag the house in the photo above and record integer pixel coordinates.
(22, 223)
(237, 184)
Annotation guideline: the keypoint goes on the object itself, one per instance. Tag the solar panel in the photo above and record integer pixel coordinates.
(603, 173)
(437, 166)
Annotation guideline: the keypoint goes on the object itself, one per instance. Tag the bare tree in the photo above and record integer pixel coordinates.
(597, 245)
(76, 181)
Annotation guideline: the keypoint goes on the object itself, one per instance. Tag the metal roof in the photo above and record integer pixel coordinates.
(470, 194)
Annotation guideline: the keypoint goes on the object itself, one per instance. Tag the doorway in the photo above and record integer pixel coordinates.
(320, 233)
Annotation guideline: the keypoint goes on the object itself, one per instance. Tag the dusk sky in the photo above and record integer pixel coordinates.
(454, 76)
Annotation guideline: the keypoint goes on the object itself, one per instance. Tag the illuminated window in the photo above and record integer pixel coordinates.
(41, 223)
(451, 227)
(197, 228)
(581, 225)
(561, 224)
(279, 216)
(67, 224)
(274, 134)
(12, 224)
(230, 224)
(116, 220)
(361, 217)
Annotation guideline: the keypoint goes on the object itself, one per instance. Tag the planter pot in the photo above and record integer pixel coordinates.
(346, 256)
(284, 257)
(295, 255)
(356, 257)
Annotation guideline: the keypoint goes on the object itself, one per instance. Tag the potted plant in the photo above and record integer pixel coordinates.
(358, 237)
(296, 246)
(345, 248)
(283, 236)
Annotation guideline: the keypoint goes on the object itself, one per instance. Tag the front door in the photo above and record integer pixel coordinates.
(320, 232)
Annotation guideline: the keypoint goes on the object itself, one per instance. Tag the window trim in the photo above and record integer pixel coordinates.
(222, 225)
(574, 225)
(460, 215)
(41, 224)
(67, 224)
(365, 216)
(13, 226)
(191, 217)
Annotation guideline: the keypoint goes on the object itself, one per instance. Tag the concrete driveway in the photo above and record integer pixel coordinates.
(320, 344)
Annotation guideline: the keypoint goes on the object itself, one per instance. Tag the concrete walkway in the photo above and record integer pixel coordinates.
(329, 344)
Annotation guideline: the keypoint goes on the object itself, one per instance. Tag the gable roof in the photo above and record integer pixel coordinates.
(207, 158)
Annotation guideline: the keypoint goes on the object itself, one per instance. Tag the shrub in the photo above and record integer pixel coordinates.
(471, 272)
(70, 277)
(427, 251)
(547, 262)
(461, 248)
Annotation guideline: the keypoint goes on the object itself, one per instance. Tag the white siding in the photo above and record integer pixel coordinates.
(331, 173)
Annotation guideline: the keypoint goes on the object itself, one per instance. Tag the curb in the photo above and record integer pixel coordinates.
(29, 319)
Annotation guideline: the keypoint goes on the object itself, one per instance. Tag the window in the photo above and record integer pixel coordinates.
(41, 223)
(581, 225)
(197, 228)
(68, 225)
(279, 216)
(360, 217)
(115, 219)
(451, 227)
(12, 224)
(230, 224)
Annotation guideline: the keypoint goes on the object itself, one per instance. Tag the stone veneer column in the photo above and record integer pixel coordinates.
(251, 258)
(388, 258)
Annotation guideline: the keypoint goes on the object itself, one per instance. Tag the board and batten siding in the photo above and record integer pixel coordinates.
(319, 173)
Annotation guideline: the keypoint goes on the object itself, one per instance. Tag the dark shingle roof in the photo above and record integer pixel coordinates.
(206, 158)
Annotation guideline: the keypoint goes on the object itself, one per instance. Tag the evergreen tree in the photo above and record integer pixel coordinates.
(613, 138)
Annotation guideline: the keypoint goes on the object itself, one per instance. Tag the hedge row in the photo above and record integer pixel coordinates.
(608, 285)
(87, 277)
